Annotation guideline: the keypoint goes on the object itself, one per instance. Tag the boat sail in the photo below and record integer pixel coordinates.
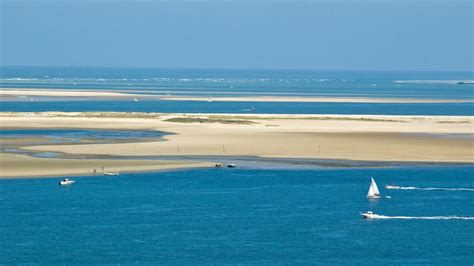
(373, 190)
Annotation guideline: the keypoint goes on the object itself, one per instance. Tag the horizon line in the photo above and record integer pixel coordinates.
(240, 68)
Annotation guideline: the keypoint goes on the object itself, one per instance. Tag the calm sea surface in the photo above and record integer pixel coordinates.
(210, 83)
(241, 216)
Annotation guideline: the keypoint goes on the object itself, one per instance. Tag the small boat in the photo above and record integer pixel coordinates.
(209, 100)
(135, 99)
(112, 173)
(66, 182)
(373, 190)
(218, 165)
(392, 187)
(369, 215)
(231, 165)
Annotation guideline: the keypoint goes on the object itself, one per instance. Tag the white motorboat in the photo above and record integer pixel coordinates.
(66, 182)
(369, 215)
(112, 173)
(135, 99)
(231, 165)
(374, 192)
(392, 187)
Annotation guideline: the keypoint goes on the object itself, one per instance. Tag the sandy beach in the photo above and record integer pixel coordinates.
(349, 137)
(15, 166)
(8, 93)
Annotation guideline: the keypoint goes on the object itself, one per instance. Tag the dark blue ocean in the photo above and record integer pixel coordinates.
(210, 83)
(235, 216)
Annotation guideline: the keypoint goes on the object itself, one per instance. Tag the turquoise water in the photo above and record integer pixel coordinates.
(217, 216)
(211, 83)
(462, 109)
(246, 82)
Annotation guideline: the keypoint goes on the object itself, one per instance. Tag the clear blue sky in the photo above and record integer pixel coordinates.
(350, 35)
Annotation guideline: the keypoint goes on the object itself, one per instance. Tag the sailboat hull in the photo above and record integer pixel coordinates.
(374, 197)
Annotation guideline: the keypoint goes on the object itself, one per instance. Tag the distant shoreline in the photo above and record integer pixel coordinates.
(310, 99)
(100, 94)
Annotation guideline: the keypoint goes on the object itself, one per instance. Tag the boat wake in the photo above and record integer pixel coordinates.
(434, 188)
(376, 216)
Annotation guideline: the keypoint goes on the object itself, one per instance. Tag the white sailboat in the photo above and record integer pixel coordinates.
(373, 190)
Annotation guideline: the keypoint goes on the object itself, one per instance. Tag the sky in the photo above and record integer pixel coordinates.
(417, 35)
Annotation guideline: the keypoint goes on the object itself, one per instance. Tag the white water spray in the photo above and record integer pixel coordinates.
(376, 216)
(434, 188)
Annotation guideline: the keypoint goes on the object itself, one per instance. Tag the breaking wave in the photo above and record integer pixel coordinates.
(176, 80)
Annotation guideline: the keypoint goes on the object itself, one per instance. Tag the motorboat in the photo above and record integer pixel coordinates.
(112, 173)
(392, 187)
(374, 192)
(369, 215)
(66, 182)
(218, 165)
(231, 165)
